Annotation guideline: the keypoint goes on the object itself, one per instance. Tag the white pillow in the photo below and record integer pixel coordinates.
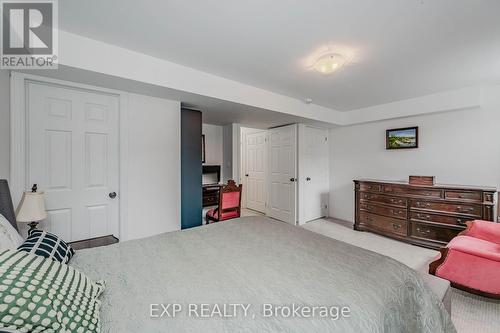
(9, 237)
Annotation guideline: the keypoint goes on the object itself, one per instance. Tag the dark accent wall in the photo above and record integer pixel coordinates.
(191, 169)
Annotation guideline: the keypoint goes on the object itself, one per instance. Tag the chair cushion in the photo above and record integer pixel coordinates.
(472, 272)
(214, 214)
(47, 245)
(230, 200)
(476, 247)
(484, 230)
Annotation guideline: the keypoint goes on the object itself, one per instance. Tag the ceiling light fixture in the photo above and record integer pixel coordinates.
(329, 63)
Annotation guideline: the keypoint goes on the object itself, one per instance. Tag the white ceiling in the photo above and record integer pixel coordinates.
(399, 49)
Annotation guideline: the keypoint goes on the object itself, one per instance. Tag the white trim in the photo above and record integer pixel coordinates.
(18, 133)
(123, 162)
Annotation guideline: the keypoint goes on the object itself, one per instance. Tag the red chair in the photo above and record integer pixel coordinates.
(471, 261)
(229, 203)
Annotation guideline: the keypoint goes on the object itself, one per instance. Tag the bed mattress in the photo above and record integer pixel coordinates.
(256, 274)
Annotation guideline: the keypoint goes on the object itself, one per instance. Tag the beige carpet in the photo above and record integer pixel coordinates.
(470, 313)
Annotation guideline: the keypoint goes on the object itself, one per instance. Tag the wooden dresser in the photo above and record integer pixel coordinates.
(428, 216)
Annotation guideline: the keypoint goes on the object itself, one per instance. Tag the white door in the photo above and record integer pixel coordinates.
(73, 155)
(283, 173)
(314, 184)
(255, 170)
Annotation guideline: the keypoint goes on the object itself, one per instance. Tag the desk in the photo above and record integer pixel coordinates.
(211, 194)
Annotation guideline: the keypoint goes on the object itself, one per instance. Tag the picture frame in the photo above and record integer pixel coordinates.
(401, 138)
(203, 148)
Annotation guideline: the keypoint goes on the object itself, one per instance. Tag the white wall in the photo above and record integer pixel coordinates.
(461, 147)
(227, 152)
(4, 124)
(213, 144)
(154, 167)
(236, 154)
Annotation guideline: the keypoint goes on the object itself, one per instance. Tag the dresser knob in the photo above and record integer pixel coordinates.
(426, 231)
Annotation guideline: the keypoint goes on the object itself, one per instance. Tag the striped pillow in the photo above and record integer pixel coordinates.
(47, 245)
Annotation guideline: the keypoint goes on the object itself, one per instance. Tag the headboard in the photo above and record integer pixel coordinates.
(6, 206)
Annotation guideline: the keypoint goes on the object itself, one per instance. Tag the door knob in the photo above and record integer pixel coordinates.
(308, 178)
(292, 179)
(246, 175)
(112, 195)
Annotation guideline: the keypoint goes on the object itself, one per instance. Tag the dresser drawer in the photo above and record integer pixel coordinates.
(463, 195)
(399, 213)
(369, 187)
(383, 223)
(383, 199)
(433, 233)
(467, 209)
(445, 219)
(210, 200)
(420, 192)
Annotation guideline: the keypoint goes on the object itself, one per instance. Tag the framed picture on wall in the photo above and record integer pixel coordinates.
(401, 138)
(203, 148)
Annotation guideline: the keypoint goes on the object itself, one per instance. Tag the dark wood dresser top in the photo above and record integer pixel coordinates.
(437, 186)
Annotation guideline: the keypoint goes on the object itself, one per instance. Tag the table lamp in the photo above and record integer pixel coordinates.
(31, 209)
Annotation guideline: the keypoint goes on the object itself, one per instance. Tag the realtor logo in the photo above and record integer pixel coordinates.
(29, 34)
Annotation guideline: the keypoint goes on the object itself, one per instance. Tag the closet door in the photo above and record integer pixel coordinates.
(314, 185)
(283, 173)
(255, 170)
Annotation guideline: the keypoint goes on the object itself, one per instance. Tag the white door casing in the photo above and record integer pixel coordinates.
(73, 155)
(255, 170)
(283, 173)
(313, 173)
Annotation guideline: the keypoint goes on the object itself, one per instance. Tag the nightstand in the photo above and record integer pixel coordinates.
(94, 242)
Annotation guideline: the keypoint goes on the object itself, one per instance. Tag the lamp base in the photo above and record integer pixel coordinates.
(32, 225)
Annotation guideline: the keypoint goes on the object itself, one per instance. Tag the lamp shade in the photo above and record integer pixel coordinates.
(31, 208)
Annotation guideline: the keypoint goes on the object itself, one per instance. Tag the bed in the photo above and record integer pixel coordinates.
(263, 264)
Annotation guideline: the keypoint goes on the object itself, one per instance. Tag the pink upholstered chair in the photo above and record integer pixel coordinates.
(471, 261)
(229, 203)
